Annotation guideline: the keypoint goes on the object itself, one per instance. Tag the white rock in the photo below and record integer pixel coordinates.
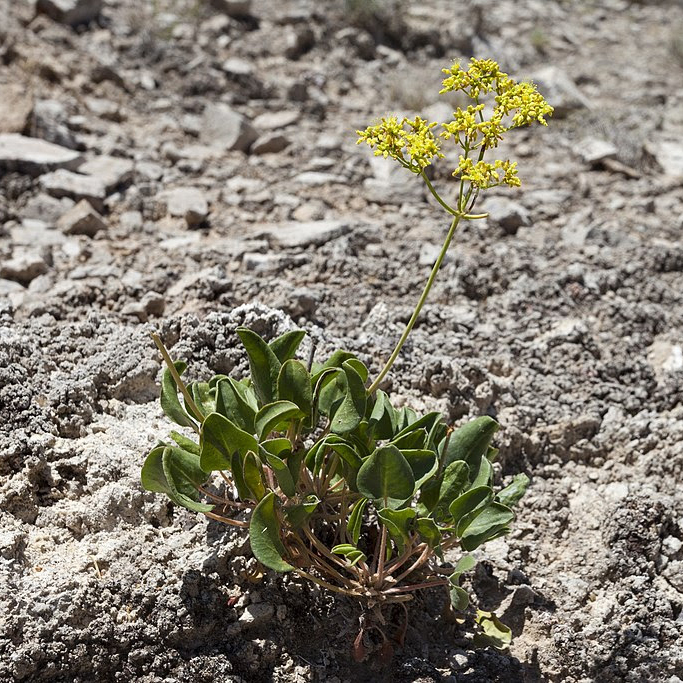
(226, 128)
(668, 153)
(273, 120)
(63, 183)
(304, 234)
(34, 156)
(316, 178)
(112, 171)
(237, 67)
(81, 219)
(186, 202)
(70, 12)
(595, 150)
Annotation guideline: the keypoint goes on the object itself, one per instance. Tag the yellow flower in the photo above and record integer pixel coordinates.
(483, 76)
(527, 103)
(483, 175)
(410, 142)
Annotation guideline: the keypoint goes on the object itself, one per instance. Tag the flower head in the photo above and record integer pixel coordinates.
(484, 175)
(411, 142)
(525, 103)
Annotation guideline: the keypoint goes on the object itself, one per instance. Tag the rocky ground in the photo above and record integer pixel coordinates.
(191, 166)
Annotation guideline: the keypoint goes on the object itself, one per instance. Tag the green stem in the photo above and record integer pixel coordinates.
(420, 304)
(436, 195)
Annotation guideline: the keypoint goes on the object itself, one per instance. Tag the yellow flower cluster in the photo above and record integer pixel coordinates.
(483, 175)
(410, 142)
(413, 144)
(527, 103)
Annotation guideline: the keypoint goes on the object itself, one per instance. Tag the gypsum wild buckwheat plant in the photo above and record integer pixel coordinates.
(331, 481)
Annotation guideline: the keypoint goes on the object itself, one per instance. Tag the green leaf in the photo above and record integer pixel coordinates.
(358, 366)
(170, 403)
(237, 467)
(253, 476)
(152, 475)
(453, 483)
(282, 473)
(187, 444)
(277, 446)
(494, 632)
(298, 514)
(274, 414)
(350, 552)
(512, 493)
(397, 523)
(176, 473)
(204, 398)
(287, 344)
(231, 401)
(429, 531)
(469, 501)
(349, 414)
(386, 475)
(331, 389)
(345, 450)
(484, 475)
(383, 417)
(460, 598)
(425, 422)
(220, 439)
(337, 358)
(469, 442)
(423, 463)
(294, 384)
(356, 519)
(490, 523)
(416, 439)
(263, 363)
(264, 536)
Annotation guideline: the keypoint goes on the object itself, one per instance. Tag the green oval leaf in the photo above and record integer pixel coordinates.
(469, 442)
(298, 514)
(490, 523)
(349, 414)
(455, 480)
(397, 523)
(220, 439)
(231, 402)
(170, 403)
(287, 344)
(470, 501)
(264, 536)
(273, 414)
(512, 493)
(183, 475)
(356, 519)
(386, 475)
(294, 384)
(253, 475)
(282, 473)
(263, 363)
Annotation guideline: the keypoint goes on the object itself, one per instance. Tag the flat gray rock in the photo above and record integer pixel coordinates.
(34, 156)
(112, 171)
(23, 267)
(305, 234)
(63, 183)
(71, 12)
(273, 120)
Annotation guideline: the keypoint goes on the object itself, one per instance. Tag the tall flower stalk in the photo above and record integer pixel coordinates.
(412, 143)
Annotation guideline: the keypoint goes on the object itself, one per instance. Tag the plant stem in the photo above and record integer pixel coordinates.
(176, 377)
(420, 304)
